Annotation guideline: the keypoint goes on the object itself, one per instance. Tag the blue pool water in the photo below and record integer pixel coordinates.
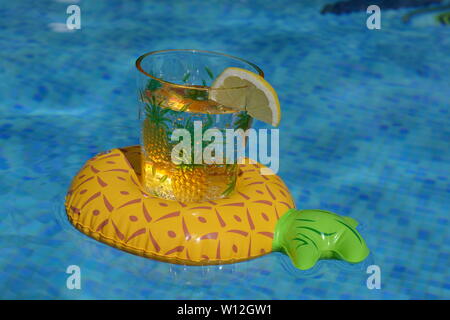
(365, 132)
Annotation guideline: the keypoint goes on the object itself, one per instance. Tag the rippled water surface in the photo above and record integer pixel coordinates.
(365, 132)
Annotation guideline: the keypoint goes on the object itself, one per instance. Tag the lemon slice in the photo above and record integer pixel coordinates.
(249, 92)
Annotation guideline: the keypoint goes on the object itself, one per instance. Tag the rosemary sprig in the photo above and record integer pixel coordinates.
(186, 76)
(243, 121)
(229, 167)
(153, 84)
(230, 187)
(196, 94)
(156, 194)
(155, 113)
(184, 108)
(209, 72)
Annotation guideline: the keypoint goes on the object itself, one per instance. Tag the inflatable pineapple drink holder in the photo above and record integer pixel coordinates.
(107, 202)
(110, 200)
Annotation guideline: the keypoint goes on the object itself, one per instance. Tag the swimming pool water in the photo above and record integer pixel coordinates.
(365, 132)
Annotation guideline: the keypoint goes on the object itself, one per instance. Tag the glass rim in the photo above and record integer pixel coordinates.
(142, 57)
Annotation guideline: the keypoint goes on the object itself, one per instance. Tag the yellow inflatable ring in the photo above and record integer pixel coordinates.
(107, 202)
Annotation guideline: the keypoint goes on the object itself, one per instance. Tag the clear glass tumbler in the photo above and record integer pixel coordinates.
(173, 91)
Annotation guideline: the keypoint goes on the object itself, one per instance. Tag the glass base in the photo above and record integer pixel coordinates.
(188, 183)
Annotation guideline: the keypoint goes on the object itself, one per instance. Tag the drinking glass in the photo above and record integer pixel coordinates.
(174, 87)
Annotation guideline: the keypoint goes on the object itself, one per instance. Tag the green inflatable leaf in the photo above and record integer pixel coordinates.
(307, 236)
(444, 18)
